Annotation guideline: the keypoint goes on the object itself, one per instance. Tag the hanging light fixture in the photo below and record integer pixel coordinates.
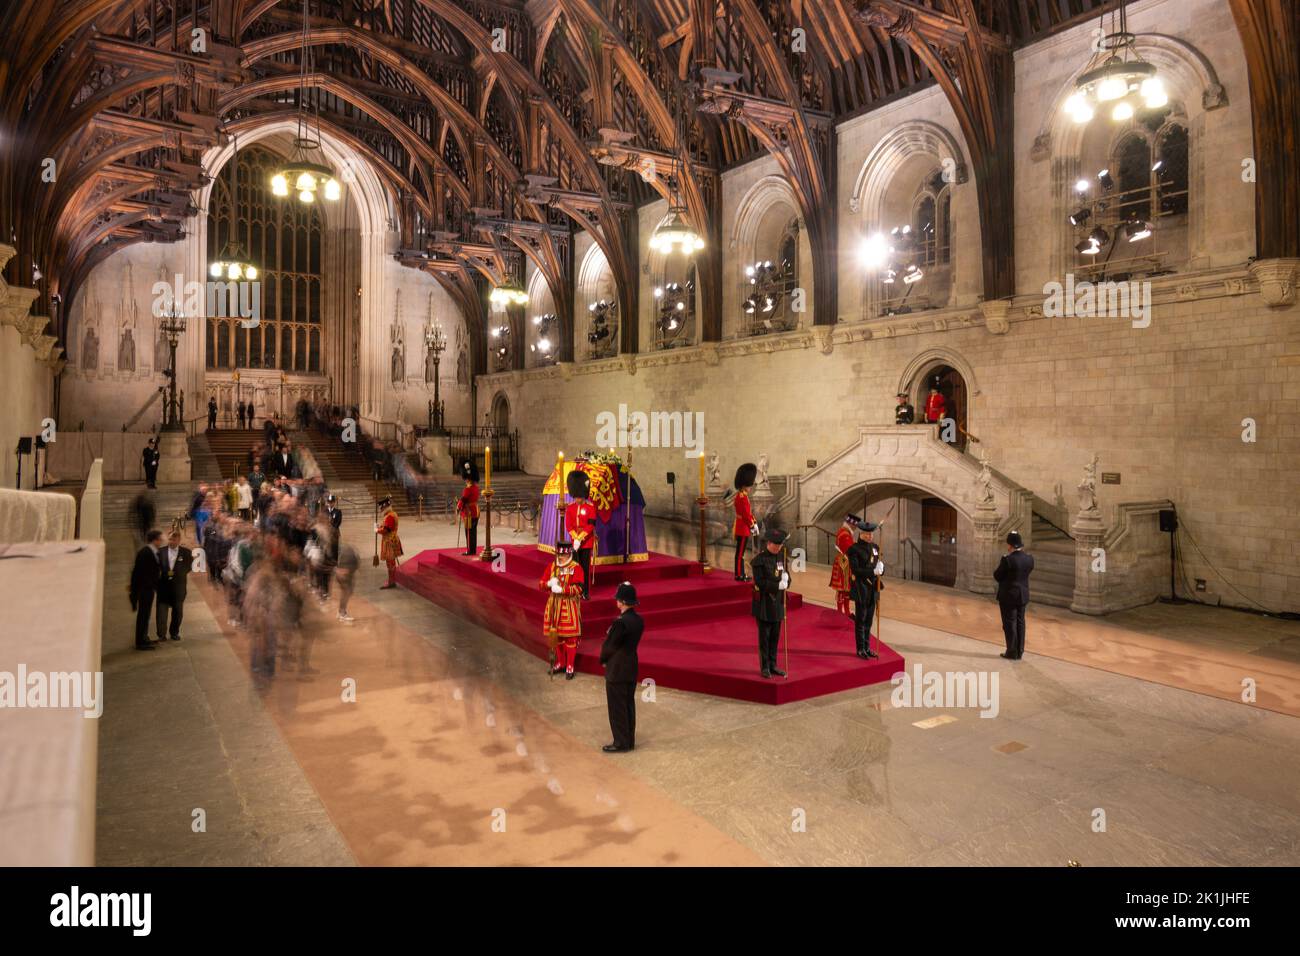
(303, 173)
(233, 264)
(675, 234)
(509, 292)
(1116, 79)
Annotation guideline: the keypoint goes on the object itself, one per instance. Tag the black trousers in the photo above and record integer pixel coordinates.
(863, 612)
(1013, 629)
(471, 537)
(769, 636)
(741, 545)
(620, 696)
(143, 609)
(212, 419)
(160, 619)
(583, 557)
(151, 477)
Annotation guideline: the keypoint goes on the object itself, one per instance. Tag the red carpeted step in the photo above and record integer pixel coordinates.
(699, 634)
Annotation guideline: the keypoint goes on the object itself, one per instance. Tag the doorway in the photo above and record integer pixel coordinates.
(952, 387)
(938, 542)
(499, 417)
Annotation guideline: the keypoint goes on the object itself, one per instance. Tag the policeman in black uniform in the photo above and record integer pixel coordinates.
(768, 606)
(150, 458)
(904, 413)
(865, 567)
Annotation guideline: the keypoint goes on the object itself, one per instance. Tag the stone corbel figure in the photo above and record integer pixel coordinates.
(714, 467)
(1088, 487)
(761, 482)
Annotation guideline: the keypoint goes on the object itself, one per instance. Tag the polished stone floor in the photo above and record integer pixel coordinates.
(459, 750)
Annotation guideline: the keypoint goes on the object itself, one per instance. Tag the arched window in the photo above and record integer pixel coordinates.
(1149, 164)
(1171, 170)
(286, 241)
(931, 212)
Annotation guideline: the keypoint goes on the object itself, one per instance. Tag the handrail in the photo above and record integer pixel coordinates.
(155, 396)
(919, 559)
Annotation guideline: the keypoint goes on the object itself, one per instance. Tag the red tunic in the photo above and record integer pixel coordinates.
(467, 507)
(935, 407)
(744, 516)
(840, 577)
(563, 615)
(390, 545)
(580, 522)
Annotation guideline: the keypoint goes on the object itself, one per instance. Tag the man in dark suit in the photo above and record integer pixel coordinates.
(1012, 575)
(174, 563)
(282, 463)
(144, 582)
(618, 654)
(212, 414)
(150, 458)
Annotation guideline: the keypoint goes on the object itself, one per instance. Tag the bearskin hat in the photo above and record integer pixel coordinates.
(469, 470)
(746, 475)
(578, 483)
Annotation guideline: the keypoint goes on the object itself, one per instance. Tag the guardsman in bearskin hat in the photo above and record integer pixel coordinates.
(935, 405)
(580, 522)
(771, 579)
(390, 545)
(866, 568)
(467, 506)
(744, 526)
(841, 578)
(562, 617)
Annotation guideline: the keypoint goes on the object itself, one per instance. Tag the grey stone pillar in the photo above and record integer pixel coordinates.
(987, 551)
(1089, 585)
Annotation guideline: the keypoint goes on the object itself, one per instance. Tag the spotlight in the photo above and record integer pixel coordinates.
(913, 274)
(1080, 216)
(1107, 181)
(1082, 186)
(1087, 247)
(1155, 167)
(873, 251)
(1137, 229)
(1099, 236)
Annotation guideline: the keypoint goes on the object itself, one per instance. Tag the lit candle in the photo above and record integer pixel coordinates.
(701, 472)
(487, 467)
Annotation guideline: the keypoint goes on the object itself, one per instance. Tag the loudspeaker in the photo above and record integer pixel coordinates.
(672, 478)
(1168, 520)
(25, 445)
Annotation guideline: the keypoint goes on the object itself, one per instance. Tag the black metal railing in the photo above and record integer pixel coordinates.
(471, 441)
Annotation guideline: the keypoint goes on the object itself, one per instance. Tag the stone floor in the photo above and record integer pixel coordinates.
(459, 750)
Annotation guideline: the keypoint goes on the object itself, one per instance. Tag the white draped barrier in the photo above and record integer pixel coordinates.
(91, 527)
(51, 688)
(70, 456)
(36, 516)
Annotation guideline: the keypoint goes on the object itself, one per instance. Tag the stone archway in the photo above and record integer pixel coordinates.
(499, 416)
(957, 383)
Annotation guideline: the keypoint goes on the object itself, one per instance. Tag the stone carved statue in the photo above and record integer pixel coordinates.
(714, 468)
(985, 481)
(90, 351)
(1088, 487)
(126, 351)
(761, 482)
(399, 364)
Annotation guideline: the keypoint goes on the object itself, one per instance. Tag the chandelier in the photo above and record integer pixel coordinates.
(1116, 78)
(675, 232)
(302, 172)
(232, 263)
(509, 292)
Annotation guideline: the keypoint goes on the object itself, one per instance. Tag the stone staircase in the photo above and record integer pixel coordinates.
(169, 501)
(1053, 578)
(228, 449)
(204, 464)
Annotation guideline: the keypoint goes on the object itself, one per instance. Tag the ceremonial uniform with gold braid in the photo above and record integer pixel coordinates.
(562, 617)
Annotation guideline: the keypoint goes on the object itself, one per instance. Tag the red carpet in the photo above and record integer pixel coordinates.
(699, 635)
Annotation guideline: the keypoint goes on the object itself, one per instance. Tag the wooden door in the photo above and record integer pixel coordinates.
(938, 542)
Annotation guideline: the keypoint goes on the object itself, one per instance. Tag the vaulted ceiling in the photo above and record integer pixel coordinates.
(501, 127)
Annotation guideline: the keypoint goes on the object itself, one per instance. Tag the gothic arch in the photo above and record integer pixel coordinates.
(595, 281)
(939, 355)
(1194, 89)
(896, 146)
(371, 202)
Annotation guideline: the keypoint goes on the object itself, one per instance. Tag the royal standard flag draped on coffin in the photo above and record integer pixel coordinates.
(620, 522)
